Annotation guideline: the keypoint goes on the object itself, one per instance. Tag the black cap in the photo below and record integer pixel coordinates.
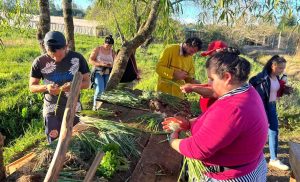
(55, 38)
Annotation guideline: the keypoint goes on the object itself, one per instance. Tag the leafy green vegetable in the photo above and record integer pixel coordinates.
(108, 165)
(112, 161)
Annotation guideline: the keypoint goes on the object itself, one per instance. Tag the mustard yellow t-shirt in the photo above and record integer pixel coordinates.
(169, 61)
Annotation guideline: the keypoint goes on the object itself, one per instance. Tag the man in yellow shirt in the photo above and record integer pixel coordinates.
(175, 66)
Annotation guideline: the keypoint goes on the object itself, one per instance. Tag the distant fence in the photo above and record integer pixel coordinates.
(287, 42)
(84, 27)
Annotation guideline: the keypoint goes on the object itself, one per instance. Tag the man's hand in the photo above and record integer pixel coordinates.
(53, 89)
(180, 75)
(176, 124)
(66, 87)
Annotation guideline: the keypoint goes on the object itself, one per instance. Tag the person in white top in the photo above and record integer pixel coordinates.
(102, 59)
(269, 86)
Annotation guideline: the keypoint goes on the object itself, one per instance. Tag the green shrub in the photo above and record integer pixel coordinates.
(288, 108)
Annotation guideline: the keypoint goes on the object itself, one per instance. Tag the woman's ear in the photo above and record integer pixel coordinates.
(227, 77)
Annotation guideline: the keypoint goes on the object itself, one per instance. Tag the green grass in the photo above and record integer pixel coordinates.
(31, 137)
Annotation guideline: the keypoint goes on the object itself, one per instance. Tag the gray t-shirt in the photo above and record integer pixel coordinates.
(45, 68)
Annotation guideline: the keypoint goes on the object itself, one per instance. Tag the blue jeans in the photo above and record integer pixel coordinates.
(273, 130)
(100, 81)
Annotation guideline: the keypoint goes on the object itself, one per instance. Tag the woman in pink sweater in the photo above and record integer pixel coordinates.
(230, 136)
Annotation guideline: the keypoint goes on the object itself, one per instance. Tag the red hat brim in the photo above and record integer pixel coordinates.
(207, 53)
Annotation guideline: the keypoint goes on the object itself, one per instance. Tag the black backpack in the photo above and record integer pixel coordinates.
(130, 73)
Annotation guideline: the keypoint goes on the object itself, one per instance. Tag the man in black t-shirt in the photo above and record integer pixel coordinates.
(56, 69)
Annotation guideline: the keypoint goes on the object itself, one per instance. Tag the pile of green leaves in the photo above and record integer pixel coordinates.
(112, 161)
(113, 132)
(116, 140)
(151, 120)
(121, 97)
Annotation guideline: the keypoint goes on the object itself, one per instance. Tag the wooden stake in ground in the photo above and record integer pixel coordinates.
(90, 174)
(2, 169)
(65, 131)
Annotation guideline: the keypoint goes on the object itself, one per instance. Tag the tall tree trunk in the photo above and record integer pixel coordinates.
(44, 23)
(130, 46)
(2, 169)
(69, 25)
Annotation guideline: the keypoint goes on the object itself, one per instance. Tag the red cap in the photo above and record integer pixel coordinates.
(213, 46)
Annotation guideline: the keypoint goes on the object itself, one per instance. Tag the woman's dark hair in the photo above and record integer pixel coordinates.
(194, 42)
(275, 59)
(228, 60)
(109, 40)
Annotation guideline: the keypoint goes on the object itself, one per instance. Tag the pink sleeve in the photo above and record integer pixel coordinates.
(220, 127)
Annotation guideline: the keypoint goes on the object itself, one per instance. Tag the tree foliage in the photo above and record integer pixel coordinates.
(56, 10)
(287, 22)
(14, 13)
(231, 10)
(130, 16)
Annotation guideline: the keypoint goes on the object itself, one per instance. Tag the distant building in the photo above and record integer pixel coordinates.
(81, 26)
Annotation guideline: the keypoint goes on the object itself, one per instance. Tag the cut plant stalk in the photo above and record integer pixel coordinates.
(195, 168)
(171, 82)
(58, 98)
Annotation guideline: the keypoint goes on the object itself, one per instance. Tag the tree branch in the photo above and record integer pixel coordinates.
(129, 47)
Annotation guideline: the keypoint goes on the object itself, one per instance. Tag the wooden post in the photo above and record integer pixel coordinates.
(65, 131)
(2, 168)
(294, 159)
(90, 174)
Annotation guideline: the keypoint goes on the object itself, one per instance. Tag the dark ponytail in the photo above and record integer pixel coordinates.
(228, 60)
(275, 59)
(109, 40)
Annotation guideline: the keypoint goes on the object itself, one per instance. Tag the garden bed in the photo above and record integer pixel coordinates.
(114, 123)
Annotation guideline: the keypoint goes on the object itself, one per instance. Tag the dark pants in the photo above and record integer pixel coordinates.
(53, 125)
